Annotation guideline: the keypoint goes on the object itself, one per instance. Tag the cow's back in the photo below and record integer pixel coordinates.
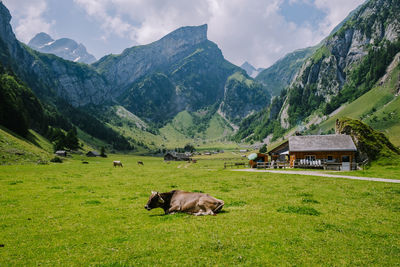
(192, 202)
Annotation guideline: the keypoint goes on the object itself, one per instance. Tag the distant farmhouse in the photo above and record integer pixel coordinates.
(93, 154)
(336, 152)
(173, 156)
(61, 153)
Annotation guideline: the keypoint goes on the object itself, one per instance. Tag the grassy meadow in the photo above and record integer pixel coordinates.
(93, 214)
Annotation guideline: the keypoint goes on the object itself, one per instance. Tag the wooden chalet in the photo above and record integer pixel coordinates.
(335, 151)
(261, 158)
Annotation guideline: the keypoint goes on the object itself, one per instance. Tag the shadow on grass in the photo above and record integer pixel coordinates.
(178, 215)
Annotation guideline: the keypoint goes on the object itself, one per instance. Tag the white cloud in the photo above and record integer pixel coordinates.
(28, 17)
(336, 12)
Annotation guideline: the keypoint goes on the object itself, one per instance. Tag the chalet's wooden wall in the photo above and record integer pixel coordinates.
(337, 155)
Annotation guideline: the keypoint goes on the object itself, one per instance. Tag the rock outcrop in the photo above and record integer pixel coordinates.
(371, 145)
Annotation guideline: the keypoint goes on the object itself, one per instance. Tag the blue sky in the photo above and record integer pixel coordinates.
(258, 31)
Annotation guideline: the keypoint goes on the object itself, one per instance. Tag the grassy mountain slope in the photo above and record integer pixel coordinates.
(198, 127)
(17, 150)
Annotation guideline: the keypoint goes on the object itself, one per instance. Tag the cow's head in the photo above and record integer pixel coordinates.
(155, 201)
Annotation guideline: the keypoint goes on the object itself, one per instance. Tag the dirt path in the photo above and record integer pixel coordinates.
(312, 173)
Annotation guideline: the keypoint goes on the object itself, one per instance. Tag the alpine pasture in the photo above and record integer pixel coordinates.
(93, 214)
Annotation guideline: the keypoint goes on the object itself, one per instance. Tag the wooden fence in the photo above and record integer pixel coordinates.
(234, 164)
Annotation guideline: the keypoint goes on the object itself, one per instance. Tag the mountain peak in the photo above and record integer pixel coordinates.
(191, 34)
(65, 48)
(40, 40)
(250, 69)
(246, 65)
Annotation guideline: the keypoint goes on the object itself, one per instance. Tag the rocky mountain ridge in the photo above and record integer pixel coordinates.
(181, 71)
(251, 70)
(65, 48)
(324, 74)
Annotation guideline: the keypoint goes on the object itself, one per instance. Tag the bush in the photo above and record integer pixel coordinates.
(56, 160)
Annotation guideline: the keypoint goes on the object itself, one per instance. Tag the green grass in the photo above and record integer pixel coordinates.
(388, 168)
(93, 214)
(16, 150)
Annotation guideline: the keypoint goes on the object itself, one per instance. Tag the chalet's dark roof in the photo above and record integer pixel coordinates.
(335, 142)
(280, 148)
(93, 153)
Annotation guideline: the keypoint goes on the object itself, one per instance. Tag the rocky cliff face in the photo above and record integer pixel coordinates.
(184, 61)
(48, 75)
(343, 67)
(325, 73)
(281, 73)
(65, 48)
(122, 70)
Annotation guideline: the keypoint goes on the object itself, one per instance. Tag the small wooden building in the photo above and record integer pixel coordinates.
(173, 156)
(260, 158)
(61, 153)
(93, 154)
(279, 152)
(330, 151)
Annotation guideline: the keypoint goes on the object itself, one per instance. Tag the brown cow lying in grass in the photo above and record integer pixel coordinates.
(117, 163)
(187, 202)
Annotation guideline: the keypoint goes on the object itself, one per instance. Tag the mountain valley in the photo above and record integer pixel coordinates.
(180, 89)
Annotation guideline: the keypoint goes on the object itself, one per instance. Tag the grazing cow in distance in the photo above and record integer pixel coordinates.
(140, 163)
(117, 163)
(187, 202)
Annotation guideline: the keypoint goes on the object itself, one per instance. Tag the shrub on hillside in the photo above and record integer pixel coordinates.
(56, 160)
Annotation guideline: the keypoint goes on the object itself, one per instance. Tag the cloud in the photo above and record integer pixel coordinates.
(336, 11)
(29, 19)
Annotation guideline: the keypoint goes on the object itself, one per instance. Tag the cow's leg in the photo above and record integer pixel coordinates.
(174, 209)
(204, 206)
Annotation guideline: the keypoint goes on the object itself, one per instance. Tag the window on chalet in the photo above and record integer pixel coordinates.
(345, 158)
(310, 157)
